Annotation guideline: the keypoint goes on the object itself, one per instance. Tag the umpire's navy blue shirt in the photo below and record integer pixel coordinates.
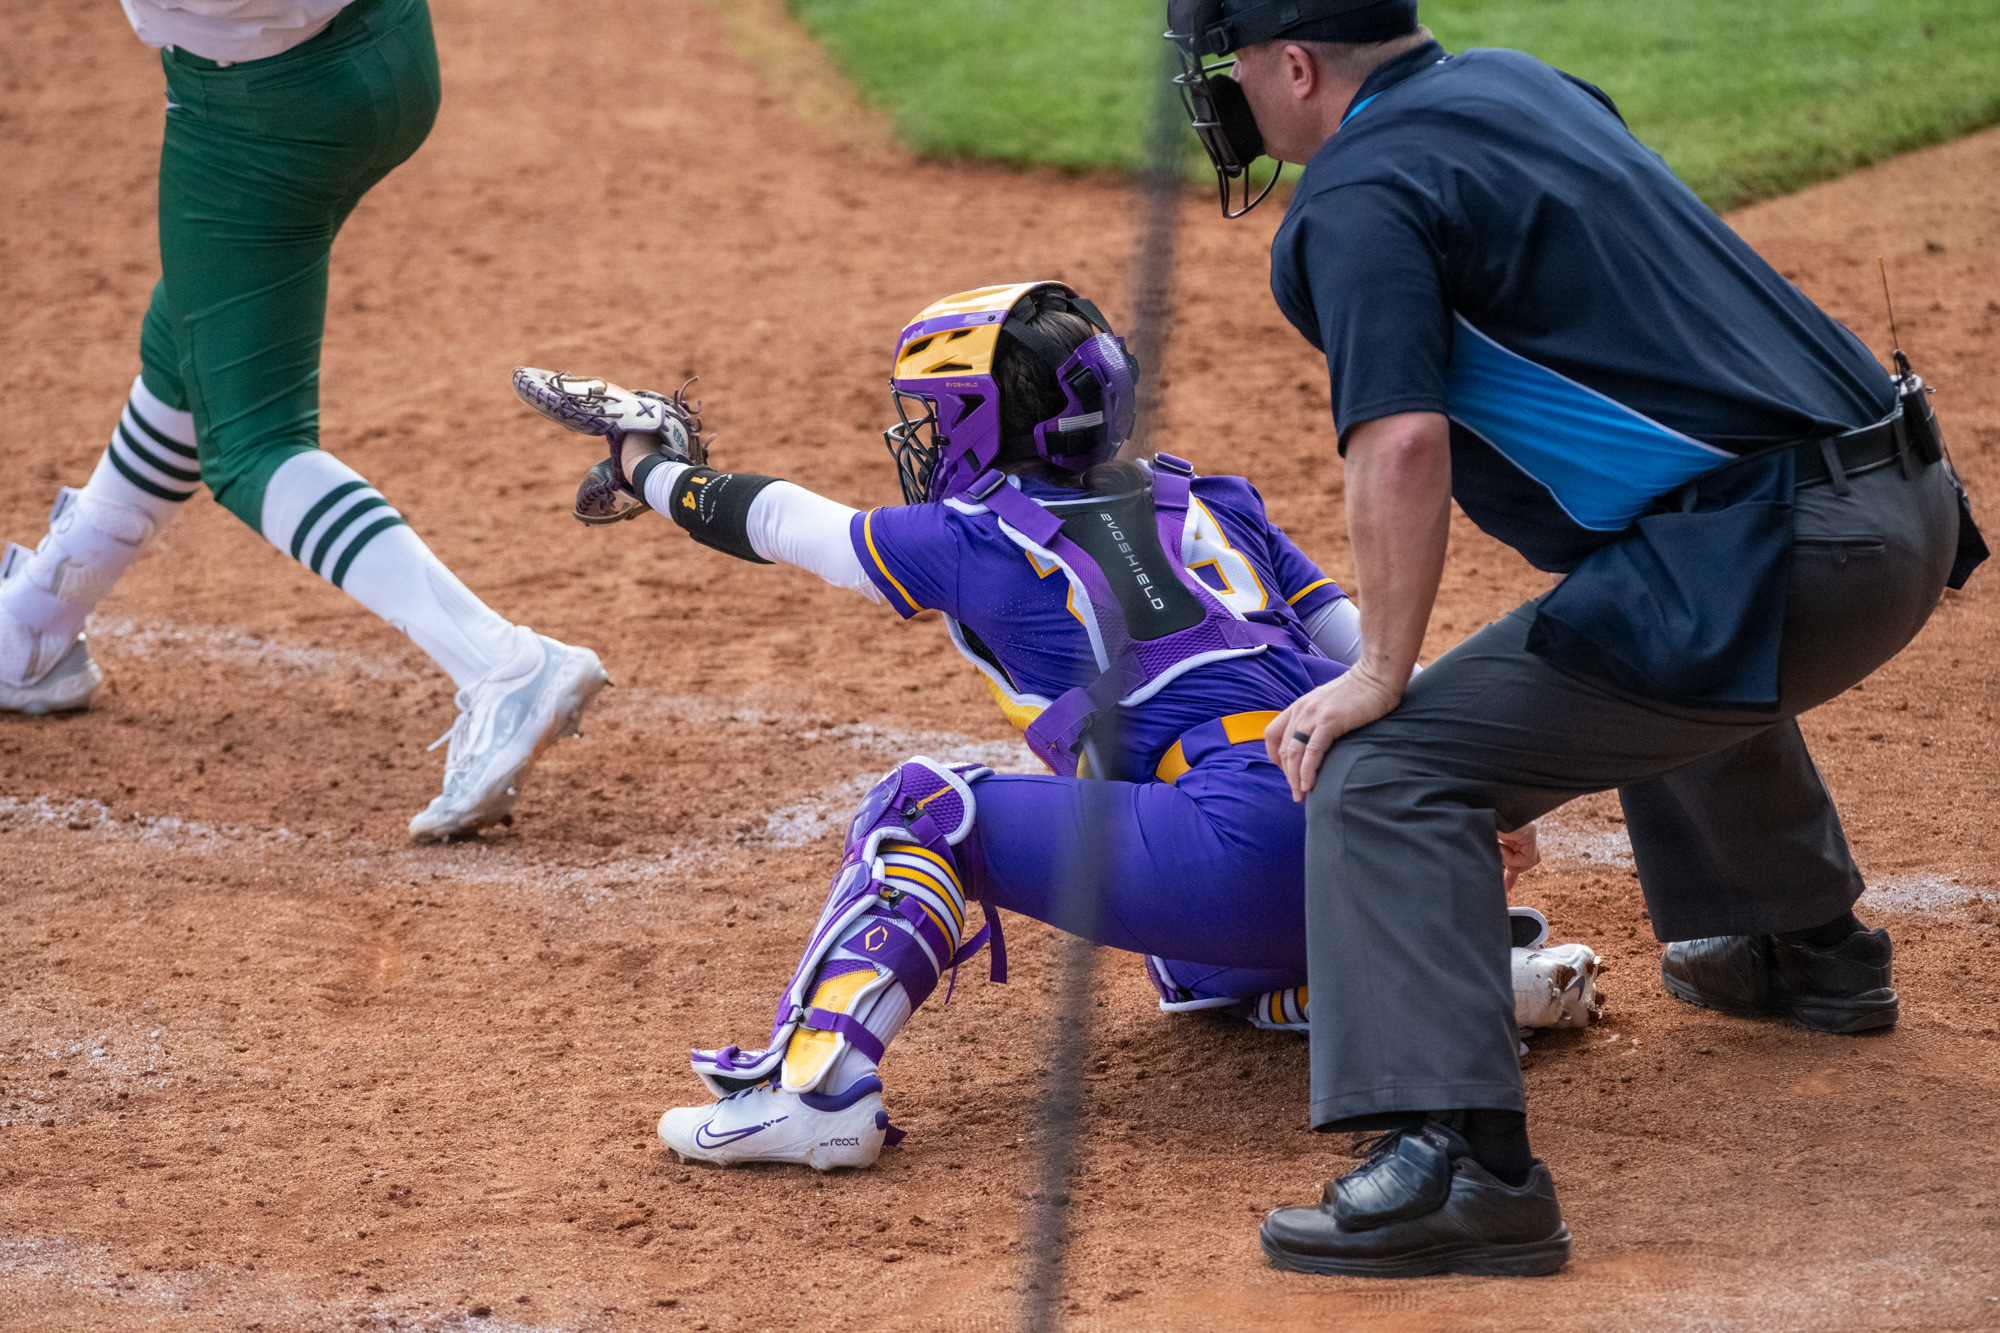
(1485, 239)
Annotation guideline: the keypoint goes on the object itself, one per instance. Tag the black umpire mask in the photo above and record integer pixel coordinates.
(1206, 32)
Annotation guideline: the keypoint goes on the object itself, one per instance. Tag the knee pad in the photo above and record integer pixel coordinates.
(1277, 1011)
(896, 914)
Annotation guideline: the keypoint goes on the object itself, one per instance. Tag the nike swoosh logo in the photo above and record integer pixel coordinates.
(708, 1140)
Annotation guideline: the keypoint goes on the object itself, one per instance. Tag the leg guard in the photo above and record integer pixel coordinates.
(895, 915)
(142, 479)
(47, 593)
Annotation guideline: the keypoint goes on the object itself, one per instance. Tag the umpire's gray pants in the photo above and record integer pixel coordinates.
(1731, 826)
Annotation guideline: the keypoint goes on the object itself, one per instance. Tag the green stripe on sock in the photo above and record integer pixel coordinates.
(146, 484)
(368, 534)
(177, 473)
(165, 441)
(342, 524)
(318, 511)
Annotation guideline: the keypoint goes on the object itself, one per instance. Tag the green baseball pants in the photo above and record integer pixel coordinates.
(262, 162)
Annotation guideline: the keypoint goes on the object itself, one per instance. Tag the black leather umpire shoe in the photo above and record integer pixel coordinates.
(1483, 1228)
(1406, 1174)
(1840, 989)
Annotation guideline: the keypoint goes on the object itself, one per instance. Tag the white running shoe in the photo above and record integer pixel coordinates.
(504, 724)
(65, 687)
(762, 1124)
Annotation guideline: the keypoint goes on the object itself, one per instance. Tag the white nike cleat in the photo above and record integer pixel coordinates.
(504, 724)
(66, 687)
(762, 1124)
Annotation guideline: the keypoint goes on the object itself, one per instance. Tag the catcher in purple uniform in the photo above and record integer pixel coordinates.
(1141, 624)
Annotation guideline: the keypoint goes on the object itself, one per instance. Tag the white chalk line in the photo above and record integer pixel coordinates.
(160, 638)
(122, 1058)
(630, 880)
(1917, 893)
(27, 1262)
(816, 816)
(280, 659)
(54, 1264)
(1562, 840)
(1927, 893)
(82, 815)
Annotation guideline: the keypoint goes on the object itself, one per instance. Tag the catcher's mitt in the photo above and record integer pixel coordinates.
(593, 406)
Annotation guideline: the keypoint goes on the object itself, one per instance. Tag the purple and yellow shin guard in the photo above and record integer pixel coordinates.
(893, 924)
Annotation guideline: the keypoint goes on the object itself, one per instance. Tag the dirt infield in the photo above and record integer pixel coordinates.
(265, 1066)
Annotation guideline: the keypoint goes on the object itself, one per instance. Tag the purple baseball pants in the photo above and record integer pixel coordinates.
(1209, 870)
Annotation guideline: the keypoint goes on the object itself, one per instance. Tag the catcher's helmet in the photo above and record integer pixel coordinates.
(944, 368)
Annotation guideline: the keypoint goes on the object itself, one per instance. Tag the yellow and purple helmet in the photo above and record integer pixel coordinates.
(944, 368)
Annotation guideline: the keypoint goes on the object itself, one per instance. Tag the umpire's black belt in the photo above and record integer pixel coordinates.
(1907, 432)
(1855, 452)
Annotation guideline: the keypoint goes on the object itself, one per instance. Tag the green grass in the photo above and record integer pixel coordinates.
(1744, 98)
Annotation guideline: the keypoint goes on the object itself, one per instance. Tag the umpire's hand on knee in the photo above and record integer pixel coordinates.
(1321, 718)
(1519, 853)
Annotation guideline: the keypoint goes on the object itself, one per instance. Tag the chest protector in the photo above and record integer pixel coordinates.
(1149, 618)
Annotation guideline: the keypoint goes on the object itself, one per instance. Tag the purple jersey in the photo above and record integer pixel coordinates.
(1014, 617)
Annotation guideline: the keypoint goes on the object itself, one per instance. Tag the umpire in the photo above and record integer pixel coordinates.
(1523, 310)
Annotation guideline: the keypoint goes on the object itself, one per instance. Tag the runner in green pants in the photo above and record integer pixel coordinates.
(280, 115)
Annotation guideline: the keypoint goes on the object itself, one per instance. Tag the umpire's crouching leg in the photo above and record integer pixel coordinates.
(1412, 1009)
(1407, 940)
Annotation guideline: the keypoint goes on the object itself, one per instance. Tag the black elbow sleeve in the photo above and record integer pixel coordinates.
(714, 507)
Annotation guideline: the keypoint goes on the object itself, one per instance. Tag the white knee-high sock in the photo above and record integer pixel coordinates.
(145, 475)
(151, 462)
(319, 511)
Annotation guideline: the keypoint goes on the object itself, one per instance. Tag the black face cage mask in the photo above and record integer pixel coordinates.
(913, 442)
(1203, 38)
(1222, 120)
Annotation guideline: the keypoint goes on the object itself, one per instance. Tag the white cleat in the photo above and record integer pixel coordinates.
(504, 724)
(762, 1124)
(65, 687)
(1557, 987)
